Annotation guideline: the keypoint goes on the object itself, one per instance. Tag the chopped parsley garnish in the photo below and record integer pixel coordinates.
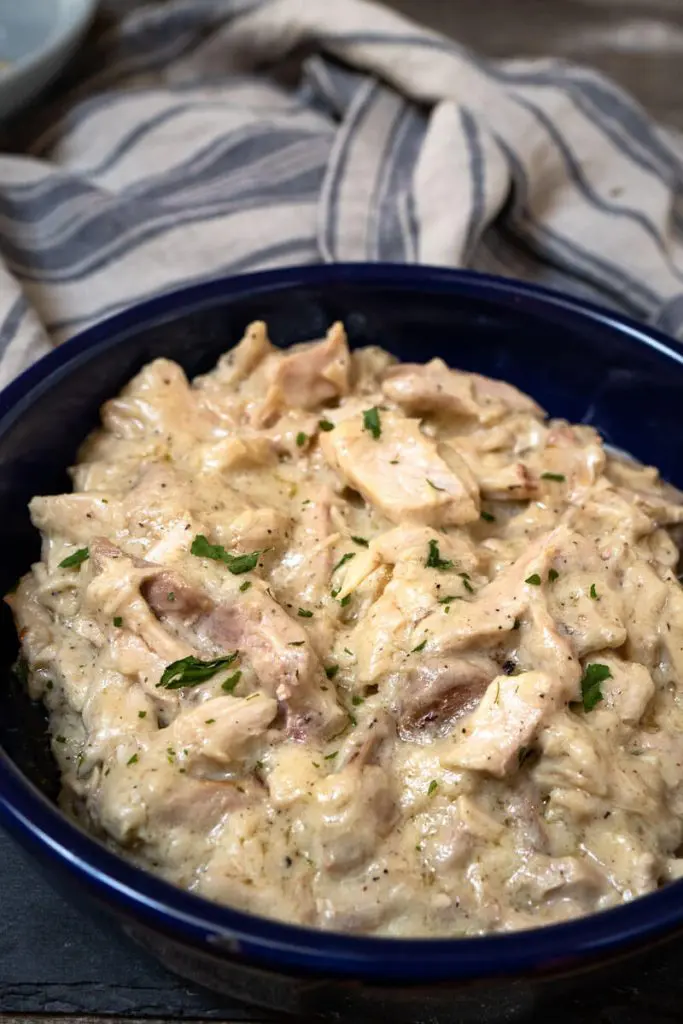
(347, 651)
(371, 422)
(553, 575)
(488, 517)
(394, 462)
(434, 559)
(331, 671)
(345, 600)
(326, 425)
(296, 643)
(142, 714)
(433, 485)
(71, 561)
(245, 586)
(534, 580)
(331, 757)
(231, 682)
(343, 560)
(170, 597)
(361, 541)
(420, 647)
(192, 671)
(466, 582)
(237, 564)
(304, 613)
(593, 592)
(557, 477)
(357, 701)
(61, 739)
(593, 675)
(118, 621)
(449, 598)
(209, 721)
(301, 439)
(433, 786)
(133, 759)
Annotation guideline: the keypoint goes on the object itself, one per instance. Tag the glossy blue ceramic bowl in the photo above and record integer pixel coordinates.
(580, 362)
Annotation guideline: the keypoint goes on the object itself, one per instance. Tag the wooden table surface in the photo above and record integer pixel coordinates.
(637, 42)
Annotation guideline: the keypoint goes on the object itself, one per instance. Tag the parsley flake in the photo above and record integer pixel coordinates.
(345, 600)
(326, 425)
(133, 759)
(357, 701)
(118, 621)
(71, 561)
(433, 485)
(296, 643)
(449, 598)
(142, 714)
(593, 592)
(343, 560)
(553, 575)
(245, 586)
(593, 675)
(534, 580)
(301, 439)
(420, 647)
(231, 682)
(192, 671)
(331, 671)
(371, 422)
(361, 541)
(433, 786)
(557, 477)
(434, 559)
(237, 564)
(488, 517)
(303, 613)
(331, 757)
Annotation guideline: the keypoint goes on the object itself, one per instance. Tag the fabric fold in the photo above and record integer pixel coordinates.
(203, 137)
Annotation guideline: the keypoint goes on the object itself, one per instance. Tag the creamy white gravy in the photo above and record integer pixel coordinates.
(368, 646)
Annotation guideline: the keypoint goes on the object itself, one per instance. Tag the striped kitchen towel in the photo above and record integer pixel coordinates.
(204, 137)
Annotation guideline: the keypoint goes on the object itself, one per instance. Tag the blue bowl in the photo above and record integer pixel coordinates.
(37, 38)
(580, 362)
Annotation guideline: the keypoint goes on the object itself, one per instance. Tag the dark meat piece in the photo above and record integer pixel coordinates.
(439, 691)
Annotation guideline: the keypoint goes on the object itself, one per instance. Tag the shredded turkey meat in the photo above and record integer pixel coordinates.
(367, 646)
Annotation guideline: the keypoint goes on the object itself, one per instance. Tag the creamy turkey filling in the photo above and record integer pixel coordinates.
(368, 646)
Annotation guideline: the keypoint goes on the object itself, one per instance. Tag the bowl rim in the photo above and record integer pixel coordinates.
(62, 38)
(38, 824)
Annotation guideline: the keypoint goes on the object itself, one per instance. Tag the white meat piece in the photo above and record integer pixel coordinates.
(507, 720)
(420, 488)
(307, 376)
(224, 731)
(434, 387)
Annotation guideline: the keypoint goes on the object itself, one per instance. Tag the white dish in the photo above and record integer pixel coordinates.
(37, 38)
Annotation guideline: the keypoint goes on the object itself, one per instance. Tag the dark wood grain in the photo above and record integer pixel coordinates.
(637, 42)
